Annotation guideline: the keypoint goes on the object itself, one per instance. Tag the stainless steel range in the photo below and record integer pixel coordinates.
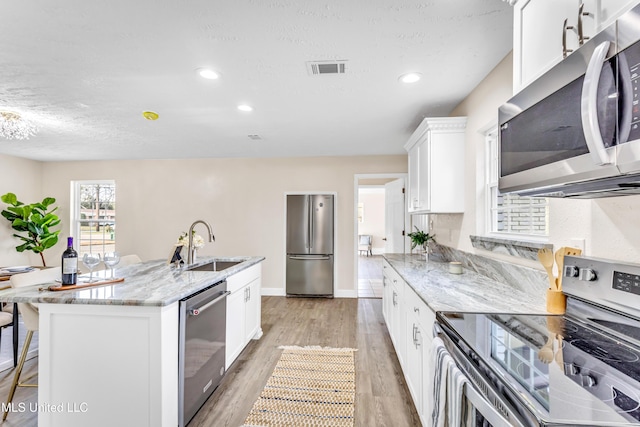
(577, 369)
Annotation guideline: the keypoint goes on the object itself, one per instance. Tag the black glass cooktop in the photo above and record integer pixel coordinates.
(563, 370)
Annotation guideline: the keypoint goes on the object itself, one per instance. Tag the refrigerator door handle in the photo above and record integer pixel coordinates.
(310, 222)
(308, 258)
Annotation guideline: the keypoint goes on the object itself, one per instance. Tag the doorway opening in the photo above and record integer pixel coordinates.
(379, 224)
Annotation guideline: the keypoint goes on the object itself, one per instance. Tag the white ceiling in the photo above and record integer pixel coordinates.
(84, 71)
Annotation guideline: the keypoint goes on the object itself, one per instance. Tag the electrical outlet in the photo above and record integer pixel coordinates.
(578, 243)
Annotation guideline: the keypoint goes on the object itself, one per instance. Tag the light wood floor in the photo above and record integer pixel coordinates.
(370, 276)
(382, 397)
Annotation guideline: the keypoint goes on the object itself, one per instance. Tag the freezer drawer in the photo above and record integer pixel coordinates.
(310, 275)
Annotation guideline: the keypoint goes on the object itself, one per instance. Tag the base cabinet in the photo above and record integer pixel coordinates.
(243, 311)
(410, 323)
(419, 334)
(392, 298)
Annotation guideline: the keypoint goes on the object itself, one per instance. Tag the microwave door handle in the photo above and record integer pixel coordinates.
(589, 106)
(625, 99)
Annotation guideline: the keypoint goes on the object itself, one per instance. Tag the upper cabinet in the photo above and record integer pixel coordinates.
(547, 31)
(436, 166)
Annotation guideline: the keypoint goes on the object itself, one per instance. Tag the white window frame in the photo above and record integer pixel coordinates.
(74, 230)
(491, 184)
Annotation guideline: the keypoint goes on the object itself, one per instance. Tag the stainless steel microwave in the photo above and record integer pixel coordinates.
(575, 132)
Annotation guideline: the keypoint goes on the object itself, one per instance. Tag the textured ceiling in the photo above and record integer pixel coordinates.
(84, 71)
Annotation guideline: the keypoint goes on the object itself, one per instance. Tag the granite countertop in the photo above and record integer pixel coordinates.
(150, 283)
(466, 292)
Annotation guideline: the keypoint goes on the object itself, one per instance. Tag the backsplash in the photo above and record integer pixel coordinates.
(526, 279)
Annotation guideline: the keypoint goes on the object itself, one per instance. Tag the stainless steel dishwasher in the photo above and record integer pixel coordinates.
(202, 348)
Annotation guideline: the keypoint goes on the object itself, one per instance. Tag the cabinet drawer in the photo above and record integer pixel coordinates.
(393, 277)
(243, 278)
(419, 309)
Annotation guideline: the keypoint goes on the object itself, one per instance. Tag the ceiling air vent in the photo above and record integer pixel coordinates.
(317, 68)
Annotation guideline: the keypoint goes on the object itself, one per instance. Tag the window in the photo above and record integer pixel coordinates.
(510, 213)
(94, 216)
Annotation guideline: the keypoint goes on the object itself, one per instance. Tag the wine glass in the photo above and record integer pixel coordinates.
(90, 260)
(111, 259)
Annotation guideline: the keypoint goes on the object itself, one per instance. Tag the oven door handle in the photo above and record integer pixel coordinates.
(199, 310)
(589, 106)
(487, 410)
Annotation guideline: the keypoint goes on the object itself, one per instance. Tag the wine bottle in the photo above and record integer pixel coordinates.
(69, 264)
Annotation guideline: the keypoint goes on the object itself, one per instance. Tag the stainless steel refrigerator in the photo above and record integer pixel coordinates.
(310, 245)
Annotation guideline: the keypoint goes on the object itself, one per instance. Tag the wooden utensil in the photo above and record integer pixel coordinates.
(546, 259)
(560, 254)
(545, 354)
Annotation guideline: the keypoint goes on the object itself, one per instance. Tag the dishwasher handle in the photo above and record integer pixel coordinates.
(197, 311)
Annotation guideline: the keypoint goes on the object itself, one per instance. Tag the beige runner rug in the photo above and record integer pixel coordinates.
(310, 386)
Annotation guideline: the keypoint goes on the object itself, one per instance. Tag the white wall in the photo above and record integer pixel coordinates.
(243, 200)
(374, 211)
(609, 226)
(23, 178)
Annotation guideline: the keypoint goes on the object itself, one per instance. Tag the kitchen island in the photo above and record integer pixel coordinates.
(108, 355)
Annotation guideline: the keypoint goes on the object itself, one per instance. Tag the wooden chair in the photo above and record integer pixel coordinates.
(30, 317)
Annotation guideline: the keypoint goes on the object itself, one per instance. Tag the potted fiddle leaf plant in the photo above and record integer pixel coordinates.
(33, 223)
(420, 238)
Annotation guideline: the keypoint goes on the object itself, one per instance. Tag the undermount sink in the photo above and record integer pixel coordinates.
(214, 266)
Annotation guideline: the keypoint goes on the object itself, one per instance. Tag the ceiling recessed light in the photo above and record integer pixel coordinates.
(410, 77)
(245, 107)
(208, 73)
(150, 115)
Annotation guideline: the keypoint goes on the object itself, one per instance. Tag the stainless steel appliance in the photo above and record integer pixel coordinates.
(575, 132)
(201, 349)
(577, 369)
(310, 245)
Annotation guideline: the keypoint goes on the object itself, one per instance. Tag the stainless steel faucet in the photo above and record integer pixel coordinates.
(191, 249)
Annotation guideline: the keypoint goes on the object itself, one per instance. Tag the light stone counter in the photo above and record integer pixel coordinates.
(466, 292)
(151, 283)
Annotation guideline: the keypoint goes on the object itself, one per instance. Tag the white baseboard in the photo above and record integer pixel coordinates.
(348, 293)
(273, 292)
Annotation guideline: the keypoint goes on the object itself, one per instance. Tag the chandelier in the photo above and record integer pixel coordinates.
(13, 126)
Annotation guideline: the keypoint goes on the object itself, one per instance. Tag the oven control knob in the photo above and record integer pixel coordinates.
(588, 381)
(587, 275)
(571, 369)
(570, 271)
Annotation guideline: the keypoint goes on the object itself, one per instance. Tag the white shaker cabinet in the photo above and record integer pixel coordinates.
(541, 25)
(410, 323)
(393, 300)
(436, 166)
(419, 332)
(243, 311)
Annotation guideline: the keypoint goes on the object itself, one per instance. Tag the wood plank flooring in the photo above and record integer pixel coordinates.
(370, 276)
(382, 397)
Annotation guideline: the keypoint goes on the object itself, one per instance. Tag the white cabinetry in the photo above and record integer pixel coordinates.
(419, 332)
(436, 166)
(539, 27)
(243, 311)
(392, 299)
(410, 324)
